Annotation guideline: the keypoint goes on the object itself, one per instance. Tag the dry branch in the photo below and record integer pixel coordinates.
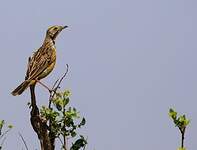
(39, 124)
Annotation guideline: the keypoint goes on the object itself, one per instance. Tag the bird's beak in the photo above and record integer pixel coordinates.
(63, 27)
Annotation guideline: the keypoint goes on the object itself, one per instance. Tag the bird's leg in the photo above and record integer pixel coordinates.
(44, 86)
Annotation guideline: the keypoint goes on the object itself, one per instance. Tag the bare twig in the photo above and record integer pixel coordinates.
(24, 142)
(5, 133)
(2, 142)
(44, 86)
(60, 140)
(52, 94)
(182, 130)
(84, 147)
(65, 142)
(62, 143)
(63, 76)
(64, 136)
(57, 85)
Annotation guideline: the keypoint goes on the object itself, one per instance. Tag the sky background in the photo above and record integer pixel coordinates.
(130, 61)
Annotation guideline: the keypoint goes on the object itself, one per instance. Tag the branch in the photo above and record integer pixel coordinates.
(39, 124)
(5, 133)
(56, 85)
(60, 140)
(1, 145)
(54, 89)
(24, 142)
(64, 136)
(63, 146)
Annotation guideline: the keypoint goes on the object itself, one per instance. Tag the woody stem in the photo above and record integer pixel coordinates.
(44, 85)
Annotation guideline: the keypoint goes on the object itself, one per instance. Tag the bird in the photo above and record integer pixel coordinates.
(42, 62)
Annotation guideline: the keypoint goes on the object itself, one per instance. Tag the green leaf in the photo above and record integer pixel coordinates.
(172, 113)
(69, 122)
(71, 113)
(58, 102)
(81, 142)
(187, 122)
(58, 95)
(73, 134)
(82, 123)
(65, 101)
(74, 109)
(10, 126)
(181, 118)
(59, 107)
(67, 93)
(2, 122)
(48, 113)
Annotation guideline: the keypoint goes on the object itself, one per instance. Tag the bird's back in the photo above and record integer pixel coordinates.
(42, 62)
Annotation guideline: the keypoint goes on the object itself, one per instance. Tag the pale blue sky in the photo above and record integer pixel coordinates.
(130, 61)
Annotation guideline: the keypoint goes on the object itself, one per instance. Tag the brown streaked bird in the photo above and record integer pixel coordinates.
(42, 62)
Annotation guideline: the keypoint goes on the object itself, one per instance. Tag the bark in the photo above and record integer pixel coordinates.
(39, 124)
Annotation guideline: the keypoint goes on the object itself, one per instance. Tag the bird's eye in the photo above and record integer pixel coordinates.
(55, 28)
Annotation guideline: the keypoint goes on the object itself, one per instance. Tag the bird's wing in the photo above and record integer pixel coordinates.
(38, 63)
(28, 68)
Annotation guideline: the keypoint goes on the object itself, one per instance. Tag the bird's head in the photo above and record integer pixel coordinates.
(53, 31)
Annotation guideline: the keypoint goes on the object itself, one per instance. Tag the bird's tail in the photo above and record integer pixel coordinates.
(21, 88)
